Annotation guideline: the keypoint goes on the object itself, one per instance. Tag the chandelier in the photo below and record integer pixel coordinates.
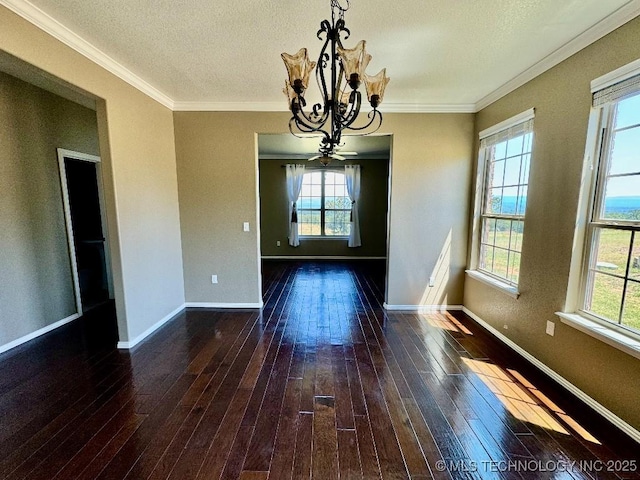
(339, 75)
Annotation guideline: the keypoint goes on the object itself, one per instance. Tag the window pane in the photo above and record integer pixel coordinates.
(516, 236)
(494, 200)
(625, 153)
(486, 257)
(309, 223)
(306, 189)
(509, 200)
(500, 262)
(631, 313)
(622, 198)
(606, 296)
(329, 190)
(514, 266)
(500, 151)
(337, 223)
(488, 230)
(524, 171)
(335, 198)
(304, 202)
(634, 270)
(515, 145)
(512, 171)
(500, 248)
(528, 144)
(503, 233)
(522, 200)
(612, 250)
(343, 203)
(496, 174)
(627, 112)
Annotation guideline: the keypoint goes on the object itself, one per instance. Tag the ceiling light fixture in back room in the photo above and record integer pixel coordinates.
(339, 74)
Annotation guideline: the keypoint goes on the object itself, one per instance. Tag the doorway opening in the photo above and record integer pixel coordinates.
(81, 180)
(323, 202)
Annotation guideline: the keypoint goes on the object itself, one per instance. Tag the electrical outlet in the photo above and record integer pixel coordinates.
(214, 278)
(505, 326)
(432, 281)
(551, 328)
(277, 243)
(245, 226)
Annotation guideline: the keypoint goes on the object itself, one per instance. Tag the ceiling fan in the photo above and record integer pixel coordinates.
(325, 158)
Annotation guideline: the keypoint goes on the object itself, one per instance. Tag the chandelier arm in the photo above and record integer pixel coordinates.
(373, 114)
(306, 126)
(353, 112)
(295, 128)
(308, 119)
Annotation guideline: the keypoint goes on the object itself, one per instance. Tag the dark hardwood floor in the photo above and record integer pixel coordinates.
(322, 383)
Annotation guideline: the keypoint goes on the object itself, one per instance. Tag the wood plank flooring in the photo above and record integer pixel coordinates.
(321, 383)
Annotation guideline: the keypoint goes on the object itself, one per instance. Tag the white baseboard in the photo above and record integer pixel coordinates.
(223, 305)
(421, 308)
(605, 412)
(132, 343)
(37, 333)
(318, 257)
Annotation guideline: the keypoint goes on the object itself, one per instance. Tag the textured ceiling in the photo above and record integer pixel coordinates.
(437, 52)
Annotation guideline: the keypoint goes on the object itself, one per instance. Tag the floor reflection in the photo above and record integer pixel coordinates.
(524, 401)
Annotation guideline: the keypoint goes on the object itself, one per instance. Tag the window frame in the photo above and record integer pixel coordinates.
(596, 221)
(481, 192)
(323, 208)
(572, 314)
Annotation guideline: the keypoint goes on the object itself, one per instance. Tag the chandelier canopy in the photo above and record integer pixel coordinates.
(339, 75)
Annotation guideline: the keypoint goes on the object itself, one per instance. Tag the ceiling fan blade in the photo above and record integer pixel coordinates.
(347, 153)
(338, 157)
(314, 158)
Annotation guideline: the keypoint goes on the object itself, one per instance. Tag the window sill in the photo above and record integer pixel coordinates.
(318, 237)
(492, 282)
(614, 338)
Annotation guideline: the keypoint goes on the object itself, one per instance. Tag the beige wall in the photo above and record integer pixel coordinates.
(562, 101)
(217, 178)
(138, 153)
(431, 163)
(34, 258)
(372, 212)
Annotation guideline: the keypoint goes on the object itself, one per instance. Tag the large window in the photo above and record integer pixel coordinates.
(504, 157)
(324, 207)
(611, 272)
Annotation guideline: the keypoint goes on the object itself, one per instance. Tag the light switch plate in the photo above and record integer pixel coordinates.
(246, 226)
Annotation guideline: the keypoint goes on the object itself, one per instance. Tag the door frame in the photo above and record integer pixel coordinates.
(62, 155)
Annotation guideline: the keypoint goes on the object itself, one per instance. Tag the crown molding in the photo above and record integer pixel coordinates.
(50, 25)
(428, 108)
(618, 18)
(179, 106)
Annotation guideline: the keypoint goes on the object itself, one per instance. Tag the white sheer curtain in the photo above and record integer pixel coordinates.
(295, 173)
(352, 175)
